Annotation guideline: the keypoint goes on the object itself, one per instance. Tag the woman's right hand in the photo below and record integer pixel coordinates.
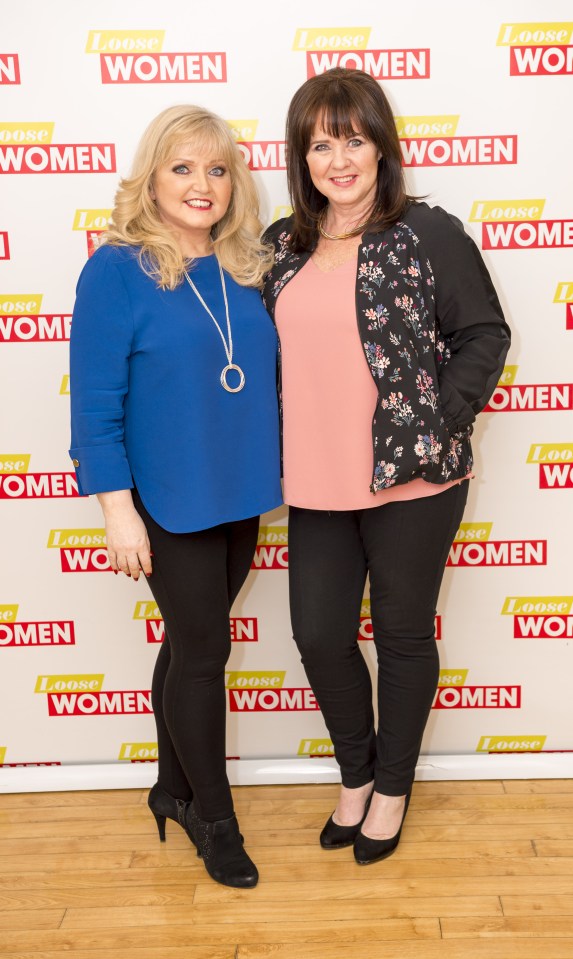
(127, 541)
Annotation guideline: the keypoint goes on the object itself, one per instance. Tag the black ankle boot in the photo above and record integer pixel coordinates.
(368, 850)
(163, 806)
(220, 844)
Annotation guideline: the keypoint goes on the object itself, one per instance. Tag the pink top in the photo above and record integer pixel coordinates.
(329, 397)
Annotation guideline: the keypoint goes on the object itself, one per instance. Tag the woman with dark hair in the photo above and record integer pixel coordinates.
(392, 341)
(175, 428)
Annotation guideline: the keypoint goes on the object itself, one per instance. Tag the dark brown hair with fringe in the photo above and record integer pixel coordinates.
(344, 102)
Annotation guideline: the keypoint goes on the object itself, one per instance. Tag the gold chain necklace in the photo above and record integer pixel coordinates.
(338, 236)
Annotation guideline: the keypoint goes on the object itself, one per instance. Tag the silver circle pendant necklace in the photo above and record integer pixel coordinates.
(228, 346)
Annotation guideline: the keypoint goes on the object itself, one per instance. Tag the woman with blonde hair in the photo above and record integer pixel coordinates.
(175, 428)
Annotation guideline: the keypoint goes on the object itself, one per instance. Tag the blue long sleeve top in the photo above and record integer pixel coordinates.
(148, 407)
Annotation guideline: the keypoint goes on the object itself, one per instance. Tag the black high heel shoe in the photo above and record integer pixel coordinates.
(220, 845)
(334, 836)
(368, 850)
(163, 806)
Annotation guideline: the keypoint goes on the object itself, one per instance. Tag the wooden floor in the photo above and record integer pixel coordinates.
(484, 869)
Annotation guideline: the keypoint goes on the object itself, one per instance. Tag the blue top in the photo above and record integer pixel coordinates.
(148, 408)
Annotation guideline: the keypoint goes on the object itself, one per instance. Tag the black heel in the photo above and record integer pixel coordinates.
(160, 820)
(220, 846)
(163, 806)
(334, 836)
(368, 850)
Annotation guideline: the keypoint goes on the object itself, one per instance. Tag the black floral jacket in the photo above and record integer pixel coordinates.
(433, 334)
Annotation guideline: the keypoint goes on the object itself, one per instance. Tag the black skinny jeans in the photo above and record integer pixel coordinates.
(403, 547)
(196, 578)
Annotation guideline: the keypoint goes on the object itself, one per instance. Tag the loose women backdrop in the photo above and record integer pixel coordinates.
(481, 107)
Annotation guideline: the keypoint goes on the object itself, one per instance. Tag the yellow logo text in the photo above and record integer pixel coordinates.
(537, 605)
(564, 293)
(65, 385)
(59, 538)
(244, 129)
(125, 41)
(331, 38)
(427, 126)
(21, 304)
(139, 751)
(470, 532)
(315, 747)
(537, 34)
(272, 535)
(21, 131)
(281, 211)
(147, 610)
(91, 219)
(2, 754)
(69, 683)
(506, 210)
(14, 462)
(255, 680)
(510, 744)
(452, 677)
(508, 375)
(550, 453)
(8, 613)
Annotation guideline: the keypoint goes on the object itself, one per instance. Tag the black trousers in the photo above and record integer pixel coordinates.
(403, 547)
(196, 578)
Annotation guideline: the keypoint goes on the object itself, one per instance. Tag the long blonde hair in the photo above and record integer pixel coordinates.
(136, 222)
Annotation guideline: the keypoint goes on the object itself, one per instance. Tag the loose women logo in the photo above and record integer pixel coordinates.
(564, 294)
(81, 695)
(540, 617)
(69, 682)
(328, 47)
(509, 397)
(538, 49)
(244, 629)
(272, 548)
(480, 551)
(4, 246)
(139, 752)
(47, 633)
(316, 748)
(366, 630)
(65, 385)
(511, 744)
(93, 223)
(33, 151)
(9, 69)
(263, 154)
(22, 322)
(420, 149)
(443, 125)
(272, 700)
(14, 463)
(506, 210)
(81, 550)
(243, 129)
(133, 56)
(19, 484)
(6, 765)
(452, 693)
(239, 679)
(555, 464)
(527, 235)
